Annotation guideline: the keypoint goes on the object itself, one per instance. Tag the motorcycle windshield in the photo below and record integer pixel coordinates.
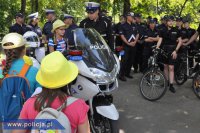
(96, 52)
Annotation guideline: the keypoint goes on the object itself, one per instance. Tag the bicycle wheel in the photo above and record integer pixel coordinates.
(153, 85)
(196, 84)
(180, 76)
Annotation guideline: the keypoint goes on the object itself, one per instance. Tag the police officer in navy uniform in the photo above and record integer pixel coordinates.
(139, 46)
(94, 20)
(194, 37)
(151, 39)
(33, 24)
(179, 23)
(171, 41)
(118, 40)
(19, 26)
(163, 24)
(129, 35)
(69, 21)
(48, 26)
(51, 18)
(187, 33)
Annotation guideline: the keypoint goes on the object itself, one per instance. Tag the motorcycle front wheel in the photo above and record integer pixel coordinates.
(102, 124)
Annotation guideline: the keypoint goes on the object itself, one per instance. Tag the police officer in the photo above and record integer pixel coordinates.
(188, 33)
(19, 26)
(48, 26)
(139, 46)
(163, 24)
(94, 20)
(129, 36)
(151, 39)
(194, 37)
(51, 18)
(179, 23)
(171, 43)
(69, 21)
(118, 40)
(33, 24)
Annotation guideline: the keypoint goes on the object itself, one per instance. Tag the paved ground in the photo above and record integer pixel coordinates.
(174, 113)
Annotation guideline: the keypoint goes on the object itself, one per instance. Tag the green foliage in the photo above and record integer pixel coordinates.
(154, 8)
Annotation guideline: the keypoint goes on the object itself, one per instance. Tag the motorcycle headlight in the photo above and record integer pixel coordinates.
(102, 77)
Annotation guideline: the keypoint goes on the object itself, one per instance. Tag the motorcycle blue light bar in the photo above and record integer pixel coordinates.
(75, 58)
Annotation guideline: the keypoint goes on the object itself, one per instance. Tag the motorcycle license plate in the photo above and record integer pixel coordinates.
(121, 53)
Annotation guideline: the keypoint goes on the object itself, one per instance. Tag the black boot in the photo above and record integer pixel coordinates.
(122, 78)
(171, 88)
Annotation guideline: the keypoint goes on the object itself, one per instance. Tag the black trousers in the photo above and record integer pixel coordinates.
(147, 52)
(127, 60)
(138, 57)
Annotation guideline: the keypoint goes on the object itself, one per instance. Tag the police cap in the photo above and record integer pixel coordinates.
(66, 16)
(33, 15)
(130, 14)
(138, 15)
(19, 15)
(49, 11)
(91, 7)
(179, 19)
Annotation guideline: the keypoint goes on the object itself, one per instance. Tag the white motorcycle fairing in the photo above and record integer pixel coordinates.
(84, 88)
(118, 63)
(40, 53)
(35, 63)
(108, 111)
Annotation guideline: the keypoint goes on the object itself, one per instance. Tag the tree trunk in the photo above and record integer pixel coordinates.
(127, 6)
(32, 5)
(23, 6)
(183, 6)
(36, 5)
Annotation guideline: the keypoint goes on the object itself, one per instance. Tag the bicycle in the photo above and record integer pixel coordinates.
(196, 78)
(153, 84)
(184, 70)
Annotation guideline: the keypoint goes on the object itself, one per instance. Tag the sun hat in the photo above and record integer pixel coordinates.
(16, 39)
(56, 71)
(58, 23)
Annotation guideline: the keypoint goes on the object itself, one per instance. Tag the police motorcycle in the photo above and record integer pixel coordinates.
(97, 79)
(33, 48)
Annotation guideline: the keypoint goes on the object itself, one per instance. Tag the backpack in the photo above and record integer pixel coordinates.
(14, 91)
(51, 114)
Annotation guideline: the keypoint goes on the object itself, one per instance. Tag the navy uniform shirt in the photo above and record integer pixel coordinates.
(69, 34)
(35, 29)
(129, 31)
(160, 27)
(171, 36)
(101, 25)
(48, 26)
(141, 30)
(20, 29)
(150, 33)
(118, 41)
(187, 33)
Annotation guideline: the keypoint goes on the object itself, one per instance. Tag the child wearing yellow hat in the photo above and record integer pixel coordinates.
(55, 75)
(58, 42)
